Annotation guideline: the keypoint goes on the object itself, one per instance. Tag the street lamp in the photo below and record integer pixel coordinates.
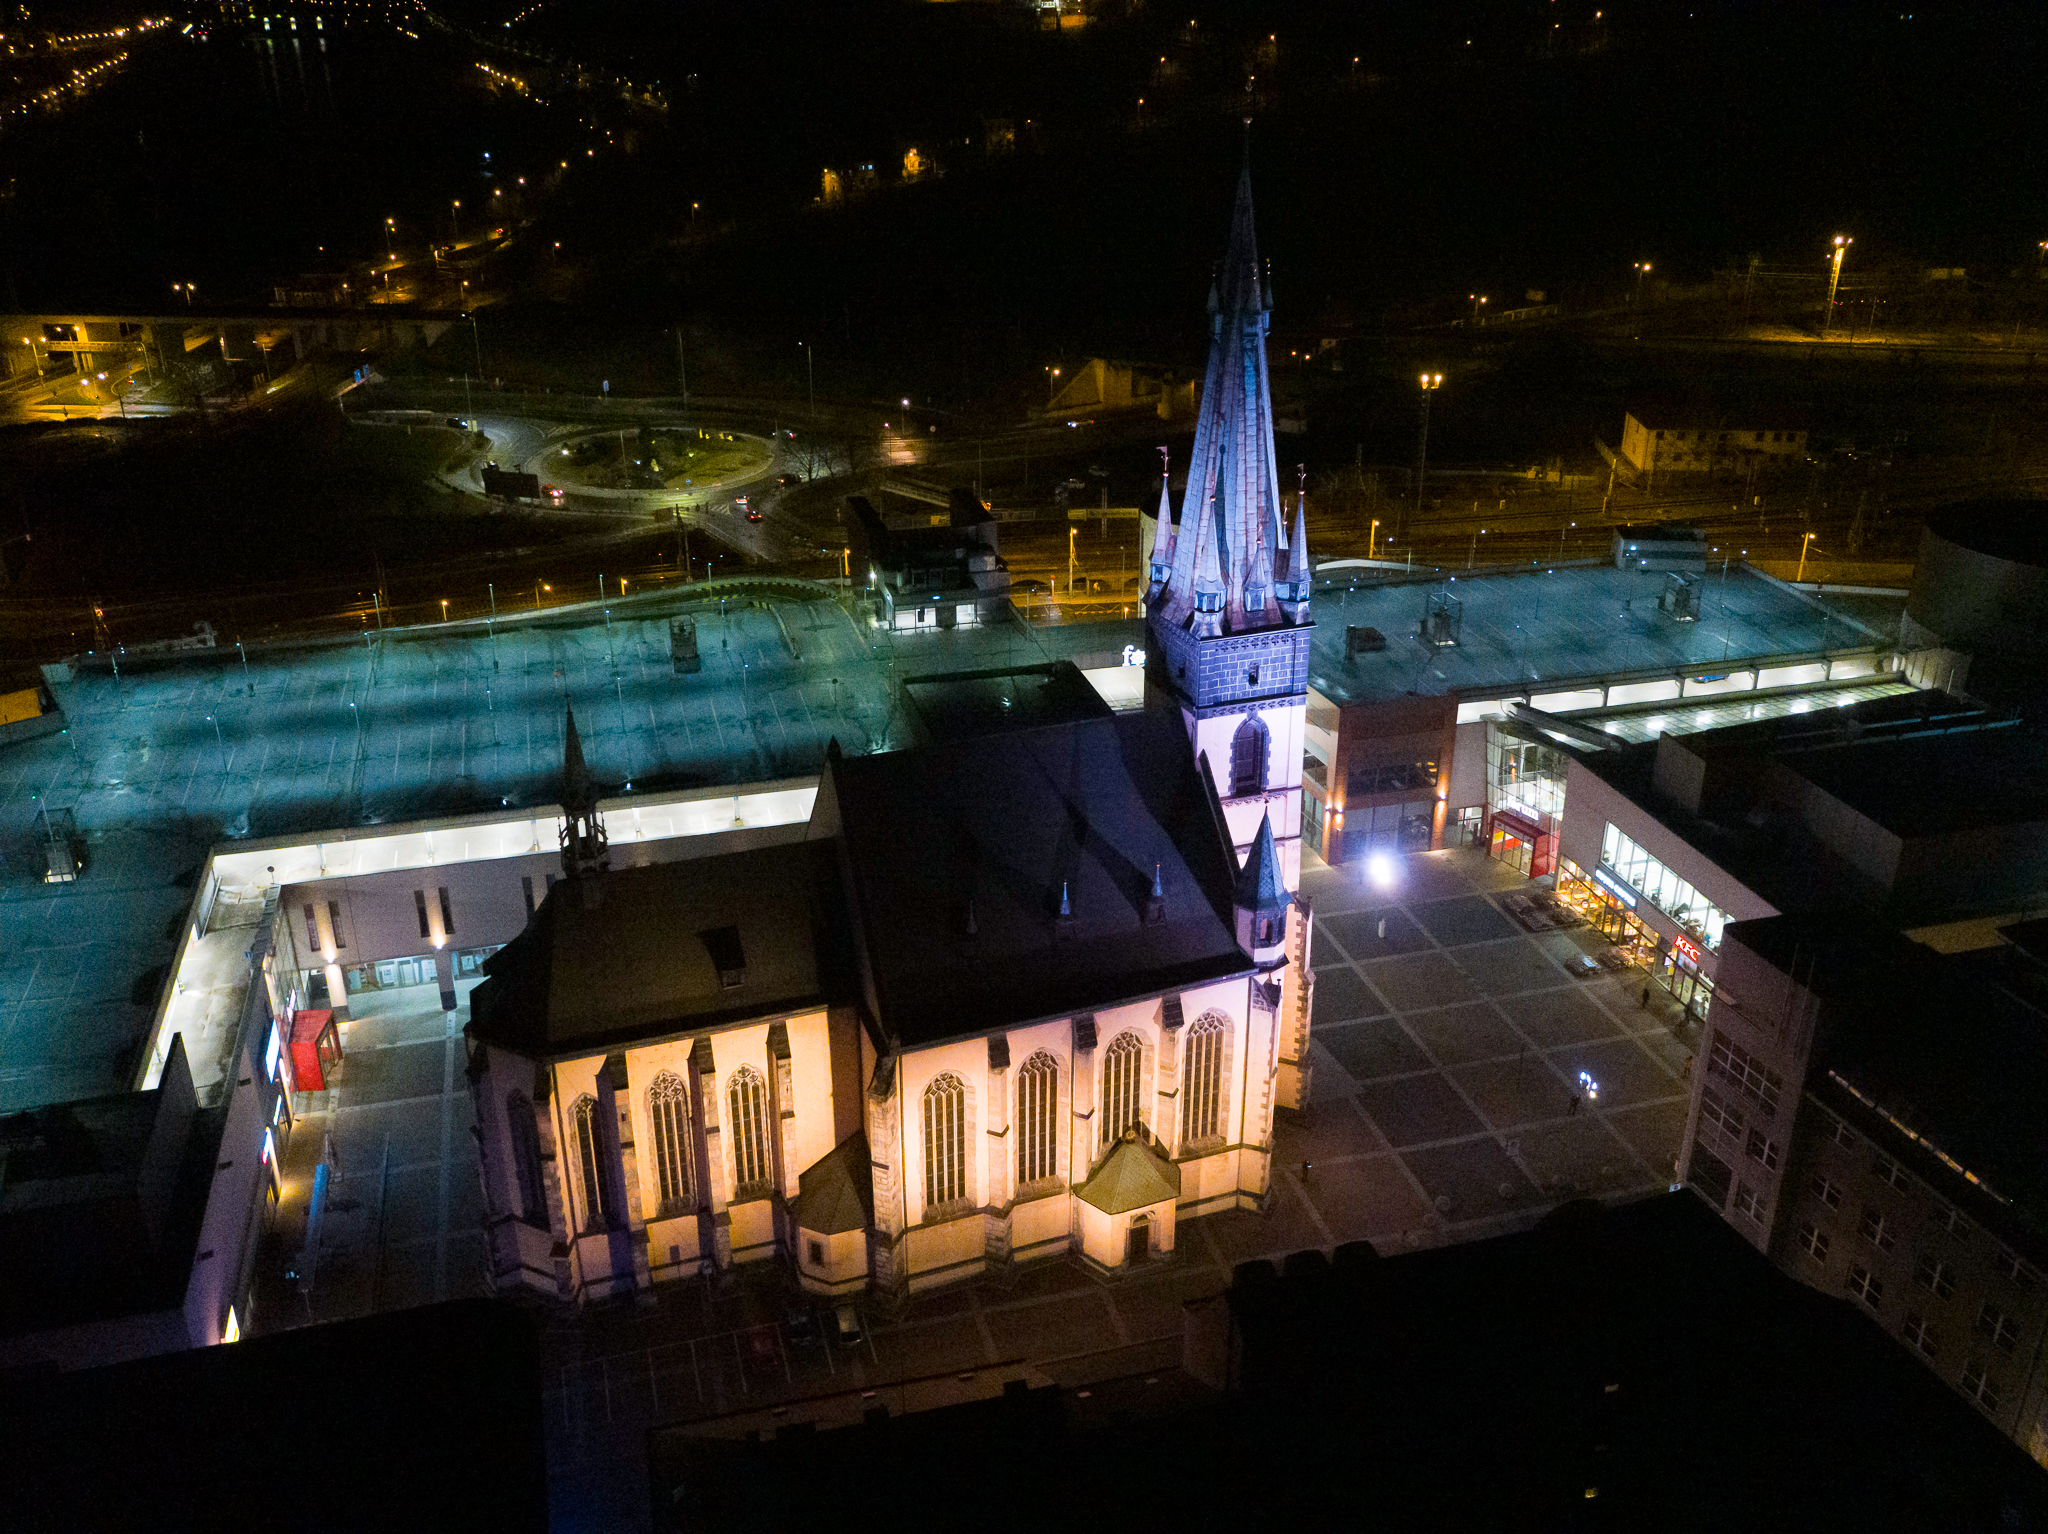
(1842, 244)
(1642, 271)
(810, 376)
(1431, 382)
(1052, 387)
(1071, 531)
(1804, 543)
(390, 235)
(444, 609)
(1372, 537)
(1478, 302)
(455, 217)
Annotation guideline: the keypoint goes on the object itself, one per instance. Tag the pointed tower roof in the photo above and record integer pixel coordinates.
(1233, 488)
(575, 776)
(1260, 887)
(1298, 569)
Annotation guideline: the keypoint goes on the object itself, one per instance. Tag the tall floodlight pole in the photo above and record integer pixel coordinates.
(1842, 244)
(1431, 382)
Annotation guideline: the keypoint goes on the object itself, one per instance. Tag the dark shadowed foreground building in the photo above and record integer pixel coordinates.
(418, 1419)
(1635, 1368)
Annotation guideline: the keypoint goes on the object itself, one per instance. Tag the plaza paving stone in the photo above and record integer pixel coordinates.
(1627, 1075)
(1370, 1199)
(1585, 1154)
(1654, 1131)
(1419, 980)
(1414, 1109)
(1359, 934)
(1340, 994)
(1051, 1331)
(1472, 1175)
(1376, 1047)
(1509, 968)
(1515, 1091)
(1329, 1131)
(1551, 1018)
(1433, 876)
(1464, 919)
(1457, 1035)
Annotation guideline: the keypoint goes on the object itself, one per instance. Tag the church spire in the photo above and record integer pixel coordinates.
(1232, 479)
(585, 848)
(1163, 534)
(1291, 584)
(1261, 898)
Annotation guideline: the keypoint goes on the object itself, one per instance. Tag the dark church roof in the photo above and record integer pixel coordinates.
(639, 952)
(959, 853)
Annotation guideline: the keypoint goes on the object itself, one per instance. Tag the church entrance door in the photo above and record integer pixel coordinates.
(1140, 1243)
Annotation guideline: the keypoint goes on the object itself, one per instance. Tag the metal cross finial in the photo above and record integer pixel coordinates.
(1301, 473)
(1165, 464)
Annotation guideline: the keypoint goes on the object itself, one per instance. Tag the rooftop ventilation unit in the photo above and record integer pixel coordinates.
(1680, 597)
(1443, 619)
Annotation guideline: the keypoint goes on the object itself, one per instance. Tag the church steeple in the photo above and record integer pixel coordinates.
(1233, 487)
(585, 849)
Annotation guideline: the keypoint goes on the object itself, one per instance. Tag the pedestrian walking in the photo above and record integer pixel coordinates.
(1686, 1073)
(1646, 995)
(1572, 1111)
(1306, 1168)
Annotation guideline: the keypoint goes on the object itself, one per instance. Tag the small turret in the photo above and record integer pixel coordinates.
(585, 848)
(1292, 585)
(1261, 900)
(1163, 537)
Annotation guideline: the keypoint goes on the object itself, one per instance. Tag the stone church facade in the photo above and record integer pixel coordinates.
(1013, 996)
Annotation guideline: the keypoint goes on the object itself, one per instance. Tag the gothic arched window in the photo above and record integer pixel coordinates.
(749, 1098)
(668, 1105)
(600, 1208)
(525, 1140)
(1249, 749)
(1038, 1139)
(1202, 1080)
(945, 1142)
(1122, 1066)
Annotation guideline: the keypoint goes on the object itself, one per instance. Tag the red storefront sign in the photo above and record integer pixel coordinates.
(316, 1048)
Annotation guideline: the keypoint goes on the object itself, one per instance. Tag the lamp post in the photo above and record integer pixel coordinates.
(1804, 544)
(1478, 302)
(1431, 382)
(1842, 244)
(810, 378)
(1071, 531)
(455, 216)
(1642, 271)
(1372, 537)
(390, 235)
(1052, 385)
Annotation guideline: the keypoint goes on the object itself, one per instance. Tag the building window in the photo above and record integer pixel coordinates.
(1719, 1115)
(1865, 1285)
(1761, 1149)
(600, 1210)
(1935, 1275)
(1878, 1231)
(447, 914)
(1038, 1141)
(1890, 1173)
(525, 1138)
(1843, 1135)
(2009, 1266)
(1202, 1083)
(1122, 1064)
(312, 929)
(748, 1096)
(1945, 1216)
(945, 1143)
(815, 1250)
(1918, 1333)
(526, 888)
(419, 902)
(1977, 1384)
(668, 1105)
(1248, 752)
(1674, 896)
(1742, 1069)
(1815, 1241)
(1998, 1326)
(1747, 1204)
(1828, 1192)
(334, 921)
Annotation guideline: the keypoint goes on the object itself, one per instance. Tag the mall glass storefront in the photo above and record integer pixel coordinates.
(1610, 906)
(1524, 798)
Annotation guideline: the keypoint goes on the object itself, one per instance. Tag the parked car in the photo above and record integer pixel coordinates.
(800, 1324)
(789, 479)
(846, 1324)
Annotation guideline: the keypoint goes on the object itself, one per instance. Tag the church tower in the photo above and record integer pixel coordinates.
(1228, 609)
(585, 849)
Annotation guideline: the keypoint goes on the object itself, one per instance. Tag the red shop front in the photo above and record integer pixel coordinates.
(1520, 840)
(316, 1048)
